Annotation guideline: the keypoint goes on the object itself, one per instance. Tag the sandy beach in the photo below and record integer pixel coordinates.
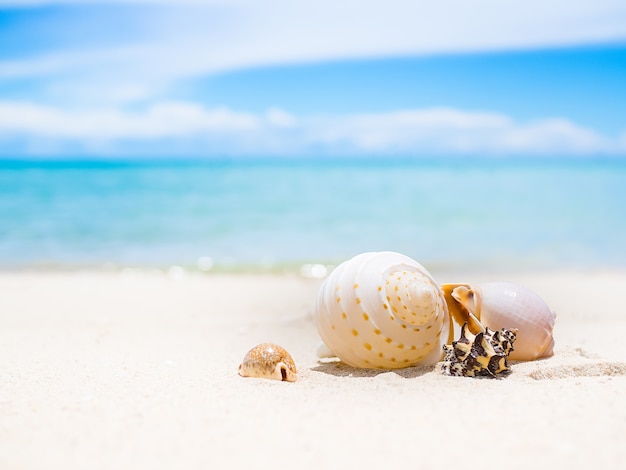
(136, 369)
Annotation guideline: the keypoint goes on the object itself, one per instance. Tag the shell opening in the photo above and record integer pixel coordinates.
(283, 374)
(465, 296)
(464, 305)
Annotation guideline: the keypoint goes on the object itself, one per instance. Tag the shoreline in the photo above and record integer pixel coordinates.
(303, 267)
(101, 370)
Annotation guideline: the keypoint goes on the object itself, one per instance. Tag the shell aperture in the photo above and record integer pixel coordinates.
(383, 310)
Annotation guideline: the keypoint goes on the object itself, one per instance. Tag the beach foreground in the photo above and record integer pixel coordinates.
(137, 369)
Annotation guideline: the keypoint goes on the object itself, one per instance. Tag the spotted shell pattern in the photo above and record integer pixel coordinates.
(383, 310)
(268, 361)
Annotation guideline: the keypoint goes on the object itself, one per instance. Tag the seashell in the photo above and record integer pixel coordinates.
(383, 310)
(505, 305)
(268, 361)
(479, 355)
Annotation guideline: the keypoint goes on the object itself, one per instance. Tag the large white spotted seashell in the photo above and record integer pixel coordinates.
(383, 310)
(505, 305)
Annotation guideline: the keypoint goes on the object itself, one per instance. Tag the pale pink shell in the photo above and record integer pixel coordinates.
(507, 305)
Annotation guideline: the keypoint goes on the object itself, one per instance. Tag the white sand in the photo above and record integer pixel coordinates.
(109, 371)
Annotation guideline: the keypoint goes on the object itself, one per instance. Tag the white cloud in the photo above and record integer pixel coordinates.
(194, 38)
(159, 121)
(188, 127)
(281, 118)
(444, 130)
(410, 129)
(557, 135)
(113, 93)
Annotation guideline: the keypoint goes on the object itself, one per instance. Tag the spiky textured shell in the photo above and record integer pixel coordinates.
(484, 354)
(382, 310)
(508, 305)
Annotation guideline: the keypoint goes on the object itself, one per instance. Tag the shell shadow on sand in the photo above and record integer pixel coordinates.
(340, 369)
(567, 364)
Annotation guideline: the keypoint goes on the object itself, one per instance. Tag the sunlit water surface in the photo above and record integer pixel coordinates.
(278, 213)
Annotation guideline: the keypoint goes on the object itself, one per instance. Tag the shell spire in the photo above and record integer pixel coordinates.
(383, 310)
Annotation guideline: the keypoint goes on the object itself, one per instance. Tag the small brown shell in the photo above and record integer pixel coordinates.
(268, 361)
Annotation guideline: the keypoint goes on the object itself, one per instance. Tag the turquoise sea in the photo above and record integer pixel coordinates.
(281, 213)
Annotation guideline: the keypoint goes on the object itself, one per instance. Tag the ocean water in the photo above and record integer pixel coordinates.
(280, 214)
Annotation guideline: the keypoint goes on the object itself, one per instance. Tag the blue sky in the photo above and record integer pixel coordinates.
(240, 77)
